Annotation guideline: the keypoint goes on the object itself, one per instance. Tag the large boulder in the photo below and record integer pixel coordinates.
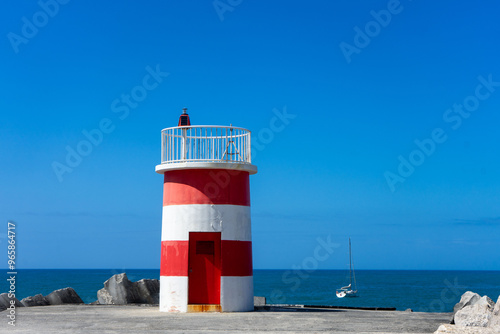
(495, 317)
(452, 329)
(5, 301)
(477, 315)
(149, 291)
(468, 298)
(119, 290)
(37, 300)
(64, 296)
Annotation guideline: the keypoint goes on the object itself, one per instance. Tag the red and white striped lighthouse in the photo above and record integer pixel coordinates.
(206, 240)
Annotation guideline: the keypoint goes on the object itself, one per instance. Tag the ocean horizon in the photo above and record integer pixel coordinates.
(420, 290)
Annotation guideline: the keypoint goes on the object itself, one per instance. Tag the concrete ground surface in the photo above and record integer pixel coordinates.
(103, 319)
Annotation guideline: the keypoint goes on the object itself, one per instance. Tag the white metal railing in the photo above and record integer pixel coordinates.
(205, 143)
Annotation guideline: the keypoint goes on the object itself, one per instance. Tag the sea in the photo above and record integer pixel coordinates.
(421, 291)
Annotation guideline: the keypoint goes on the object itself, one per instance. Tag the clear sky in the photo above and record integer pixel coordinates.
(375, 120)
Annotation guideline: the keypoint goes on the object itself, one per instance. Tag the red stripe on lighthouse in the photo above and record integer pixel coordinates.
(206, 186)
(174, 258)
(236, 258)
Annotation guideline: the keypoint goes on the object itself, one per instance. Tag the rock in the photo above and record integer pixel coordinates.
(5, 301)
(259, 301)
(444, 329)
(477, 315)
(105, 298)
(119, 290)
(149, 291)
(452, 329)
(495, 317)
(486, 301)
(64, 296)
(409, 310)
(57, 297)
(468, 298)
(37, 300)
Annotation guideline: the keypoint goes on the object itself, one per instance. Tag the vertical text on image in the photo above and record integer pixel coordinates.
(11, 273)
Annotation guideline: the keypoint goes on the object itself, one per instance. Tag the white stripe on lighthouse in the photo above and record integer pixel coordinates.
(173, 293)
(236, 293)
(232, 220)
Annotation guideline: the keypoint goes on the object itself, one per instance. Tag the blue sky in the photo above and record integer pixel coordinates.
(352, 86)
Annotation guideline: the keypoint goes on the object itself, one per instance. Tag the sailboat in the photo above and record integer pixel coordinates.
(348, 291)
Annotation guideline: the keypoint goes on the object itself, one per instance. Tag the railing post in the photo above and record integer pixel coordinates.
(164, 143)
(183, 144)
(249, 146)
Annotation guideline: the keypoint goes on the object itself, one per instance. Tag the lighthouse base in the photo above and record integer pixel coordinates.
(204, 308)
(236, 295)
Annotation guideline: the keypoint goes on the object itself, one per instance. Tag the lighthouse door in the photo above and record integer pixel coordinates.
(204, 268)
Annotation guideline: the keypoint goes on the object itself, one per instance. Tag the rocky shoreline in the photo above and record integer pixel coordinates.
(473, 314)
(118, 290)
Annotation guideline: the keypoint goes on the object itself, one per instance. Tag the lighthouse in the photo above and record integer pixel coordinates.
(206, 240)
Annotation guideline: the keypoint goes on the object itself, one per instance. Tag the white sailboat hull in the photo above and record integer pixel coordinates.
(346, 293)
(341, 294)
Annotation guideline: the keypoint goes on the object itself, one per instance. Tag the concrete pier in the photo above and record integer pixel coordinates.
(147, 319)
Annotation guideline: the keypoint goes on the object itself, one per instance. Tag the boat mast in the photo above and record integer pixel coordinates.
(350, 264)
